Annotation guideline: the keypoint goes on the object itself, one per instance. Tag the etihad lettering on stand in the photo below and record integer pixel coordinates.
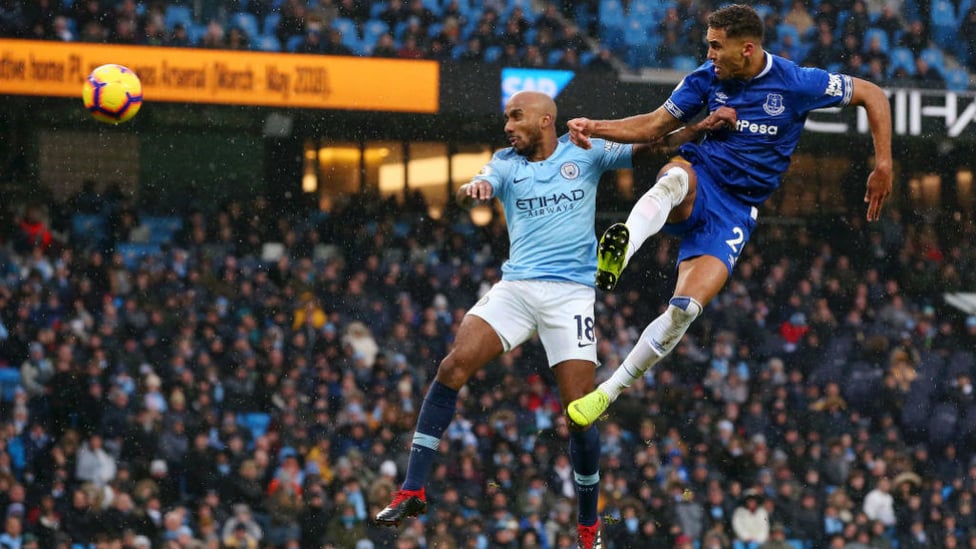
(931, 113)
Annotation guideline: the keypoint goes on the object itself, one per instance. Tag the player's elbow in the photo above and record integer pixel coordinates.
(867, 94)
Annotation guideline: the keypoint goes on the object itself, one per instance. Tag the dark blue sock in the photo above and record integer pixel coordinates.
(584, 451)
(436, 414)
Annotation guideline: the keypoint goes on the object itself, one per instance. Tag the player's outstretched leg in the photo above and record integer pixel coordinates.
(659, 338)
(622, 240)
(611, 256)
(584, 453)
(435, 416)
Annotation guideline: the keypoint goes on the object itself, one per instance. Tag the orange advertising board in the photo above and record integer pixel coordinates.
(188, 75)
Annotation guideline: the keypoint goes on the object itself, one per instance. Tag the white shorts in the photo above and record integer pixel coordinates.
(561, 312)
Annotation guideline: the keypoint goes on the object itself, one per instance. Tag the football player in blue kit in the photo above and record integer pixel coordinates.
(709, 194)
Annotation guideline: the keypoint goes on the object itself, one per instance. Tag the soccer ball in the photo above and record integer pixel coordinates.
(112, 94)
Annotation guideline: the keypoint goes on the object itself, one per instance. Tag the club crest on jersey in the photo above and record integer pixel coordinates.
(774, 104)
(569, 170)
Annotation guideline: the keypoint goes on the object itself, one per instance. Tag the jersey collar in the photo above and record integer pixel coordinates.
(767, 68)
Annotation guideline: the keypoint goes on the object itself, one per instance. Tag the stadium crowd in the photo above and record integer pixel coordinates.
(213, 394)
(914, 43)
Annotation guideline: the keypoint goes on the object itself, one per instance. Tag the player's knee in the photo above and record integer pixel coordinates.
(684, 310)
(673, 185)
(455, 370)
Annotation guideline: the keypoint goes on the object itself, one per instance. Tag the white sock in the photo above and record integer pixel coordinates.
(659, 338)
(650, 213)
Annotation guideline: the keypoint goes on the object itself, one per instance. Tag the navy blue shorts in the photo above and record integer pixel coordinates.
(720, 224)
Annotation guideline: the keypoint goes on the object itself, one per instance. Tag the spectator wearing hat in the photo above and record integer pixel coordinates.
(242, 518)
(684, 541)
(750, 520)
(240, 538)
(777, 538)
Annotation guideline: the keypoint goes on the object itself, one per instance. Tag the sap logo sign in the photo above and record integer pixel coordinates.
(549, 82)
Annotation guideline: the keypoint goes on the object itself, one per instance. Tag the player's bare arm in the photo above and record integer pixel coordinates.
(874, 101)
(641, 128)
(721, 118)
(473, 193)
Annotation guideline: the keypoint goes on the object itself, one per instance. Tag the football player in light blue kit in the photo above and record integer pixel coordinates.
(709, 195)
(547, 187)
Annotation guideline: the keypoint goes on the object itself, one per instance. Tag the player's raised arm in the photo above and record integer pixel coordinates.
(472, 193)
(874, 101)
(721, 118)
(641, 128)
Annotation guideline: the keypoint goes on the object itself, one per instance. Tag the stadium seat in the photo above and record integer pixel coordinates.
(348, 29)
(642, 56)
(492, 53)
(635, 33)
(9, 381)
(901, 58)
(763, 10)
(133, 254)
(161, 229)
(195, 32)
(643, 10)
(247, 22)
(943, 13)
(944, 23)
(874, 33)
(177, 14)
(685, 63)
(270, 25)
(379, 7)
(934, 58)
(957, 80)
(88, 230)
(294, 42)
(611, 15)
(255, 422)
(373, 29)
(267, 42)
(785, 29)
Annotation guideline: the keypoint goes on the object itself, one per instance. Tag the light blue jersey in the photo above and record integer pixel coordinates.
(550, 208)
(771, 109)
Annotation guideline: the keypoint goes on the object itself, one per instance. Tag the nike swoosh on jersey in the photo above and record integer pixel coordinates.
(581, 344)
(517, 181)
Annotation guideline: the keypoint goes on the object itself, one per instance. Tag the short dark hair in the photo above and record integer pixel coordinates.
(738, 21)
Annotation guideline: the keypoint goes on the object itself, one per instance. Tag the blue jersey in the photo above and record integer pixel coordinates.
(771, 109)
(550, 208)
